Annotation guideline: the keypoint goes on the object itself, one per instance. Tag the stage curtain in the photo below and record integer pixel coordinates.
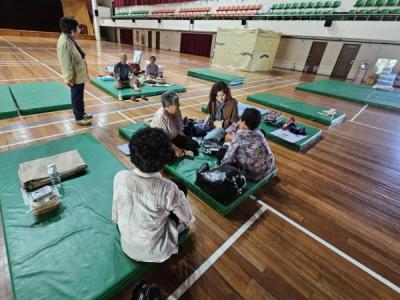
(120, 3)
(196, 44)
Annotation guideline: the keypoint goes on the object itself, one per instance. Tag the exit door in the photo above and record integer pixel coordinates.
(314, 57)
(157, 40)
(150, 39)
(345, 61)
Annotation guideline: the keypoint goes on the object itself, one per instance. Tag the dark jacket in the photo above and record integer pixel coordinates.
(230, 112)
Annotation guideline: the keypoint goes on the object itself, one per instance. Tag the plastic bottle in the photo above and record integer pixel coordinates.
(120, 96)
(54, 176)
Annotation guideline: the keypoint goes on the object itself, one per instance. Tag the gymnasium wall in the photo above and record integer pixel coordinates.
(38, 15)
(79, 10)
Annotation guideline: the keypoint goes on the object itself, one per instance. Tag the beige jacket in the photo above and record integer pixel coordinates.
(73, 66)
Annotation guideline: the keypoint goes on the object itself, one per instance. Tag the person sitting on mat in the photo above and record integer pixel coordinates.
(222, 112)
(150, 211)
(169, 119)
(152, 73)
(249, 150)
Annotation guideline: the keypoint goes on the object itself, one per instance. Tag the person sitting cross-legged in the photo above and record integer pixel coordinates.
(249, 150)
(150, 210)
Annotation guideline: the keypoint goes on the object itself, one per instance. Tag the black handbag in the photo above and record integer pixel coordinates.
(224, 183)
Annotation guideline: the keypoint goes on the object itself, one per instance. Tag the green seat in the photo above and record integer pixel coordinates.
(303, 5)
(319, 4)
(288, 5)
(391, 2)
(328, 4)
(215, 76)
(370, 3)
(311, 4)
(337, 4)
(353, 11)
(358, 93)
(281, 6)
(75, 251)
(384, 11)
(328, 12)
(7, 105)
(396, 11)
(373, 11)
(310, 12)
(39, 97)
(275, 6)
(362, 12)
(295, 5)
(299, 108)
(379, 3)
(146, 90)
(186, 169)
(360, 3)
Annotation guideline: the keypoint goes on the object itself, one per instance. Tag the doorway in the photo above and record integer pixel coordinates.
(345, 61)
(126, 36)
(157, 40)
(197, 44)
(150, 39)
(314, 57)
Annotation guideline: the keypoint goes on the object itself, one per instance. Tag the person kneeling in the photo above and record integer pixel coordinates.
(150, 211)
(169, 119)
(249, 150)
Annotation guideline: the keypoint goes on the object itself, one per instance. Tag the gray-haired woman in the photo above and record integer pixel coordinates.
(169, 119)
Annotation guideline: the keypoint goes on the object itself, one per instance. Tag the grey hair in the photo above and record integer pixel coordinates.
(170, 98)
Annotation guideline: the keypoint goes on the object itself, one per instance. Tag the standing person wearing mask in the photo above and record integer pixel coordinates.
(73, 67)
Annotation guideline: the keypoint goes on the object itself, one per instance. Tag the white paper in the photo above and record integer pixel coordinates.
(124, 148)
(288, 136)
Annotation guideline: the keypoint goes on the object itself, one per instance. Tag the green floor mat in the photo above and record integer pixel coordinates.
(303, 109)
(358, 93)
(302, 144)
(186, 168)
(215, 76)
(76, 252)
(146, 90)
(7, 105)
(39, 97)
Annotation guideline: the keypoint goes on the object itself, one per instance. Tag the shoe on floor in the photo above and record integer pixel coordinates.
(84, 122)
(134, 99)
(87, 116)
(145, 98)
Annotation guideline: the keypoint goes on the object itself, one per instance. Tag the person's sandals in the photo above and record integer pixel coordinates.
(144, 98)
(134, 99)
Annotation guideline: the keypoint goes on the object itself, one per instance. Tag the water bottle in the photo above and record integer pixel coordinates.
(120, 96)
(54, 176)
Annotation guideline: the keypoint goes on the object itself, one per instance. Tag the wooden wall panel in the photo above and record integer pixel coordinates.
(79, 10)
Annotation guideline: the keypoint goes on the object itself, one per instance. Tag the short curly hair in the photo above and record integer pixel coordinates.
(251, 117)
(150, 149)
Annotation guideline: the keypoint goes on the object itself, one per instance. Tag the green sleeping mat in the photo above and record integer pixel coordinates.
(215, 76)
(74, 253)
(358, 93)
(7, 105)
(186, 168)
(302, 144)
(146, 90)
(303, 109)
(39, 97)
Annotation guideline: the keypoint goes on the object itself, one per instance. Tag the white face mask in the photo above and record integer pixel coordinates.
(78, 30)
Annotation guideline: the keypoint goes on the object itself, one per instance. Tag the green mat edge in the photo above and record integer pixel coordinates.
(210, 78)
(333, 122)
(124, 282)
(10, 114)
(301, 87)
(147, 94)
(294, 146)
(221, 209)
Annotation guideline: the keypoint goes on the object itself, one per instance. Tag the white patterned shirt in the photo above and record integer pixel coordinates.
(142, 204)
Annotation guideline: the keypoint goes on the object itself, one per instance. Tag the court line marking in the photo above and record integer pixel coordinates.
(29, 79)
(377, 128)
(107, 124)
(330, 246)
(126, 117)
(183, 99)
(359, 112)
(216, 255)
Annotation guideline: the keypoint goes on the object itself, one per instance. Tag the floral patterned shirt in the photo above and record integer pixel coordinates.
(250, 152)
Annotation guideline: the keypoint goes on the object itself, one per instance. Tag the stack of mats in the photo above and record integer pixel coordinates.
(146, 90)
(303, 144)
(7, 105)
(215, 76)
(357, 93)
(305, 110)
(39, 97)
(186, 169)
(74, 253)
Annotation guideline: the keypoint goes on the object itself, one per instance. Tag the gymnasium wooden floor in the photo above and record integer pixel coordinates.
(327, 228)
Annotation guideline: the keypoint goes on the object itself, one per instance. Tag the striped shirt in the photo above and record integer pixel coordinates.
(142, 204)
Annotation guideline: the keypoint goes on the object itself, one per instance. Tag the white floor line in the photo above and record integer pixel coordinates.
(377, 128)
(136, 108)
(215, 256)
(330, 247)
(126, 117)
(359, 112)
